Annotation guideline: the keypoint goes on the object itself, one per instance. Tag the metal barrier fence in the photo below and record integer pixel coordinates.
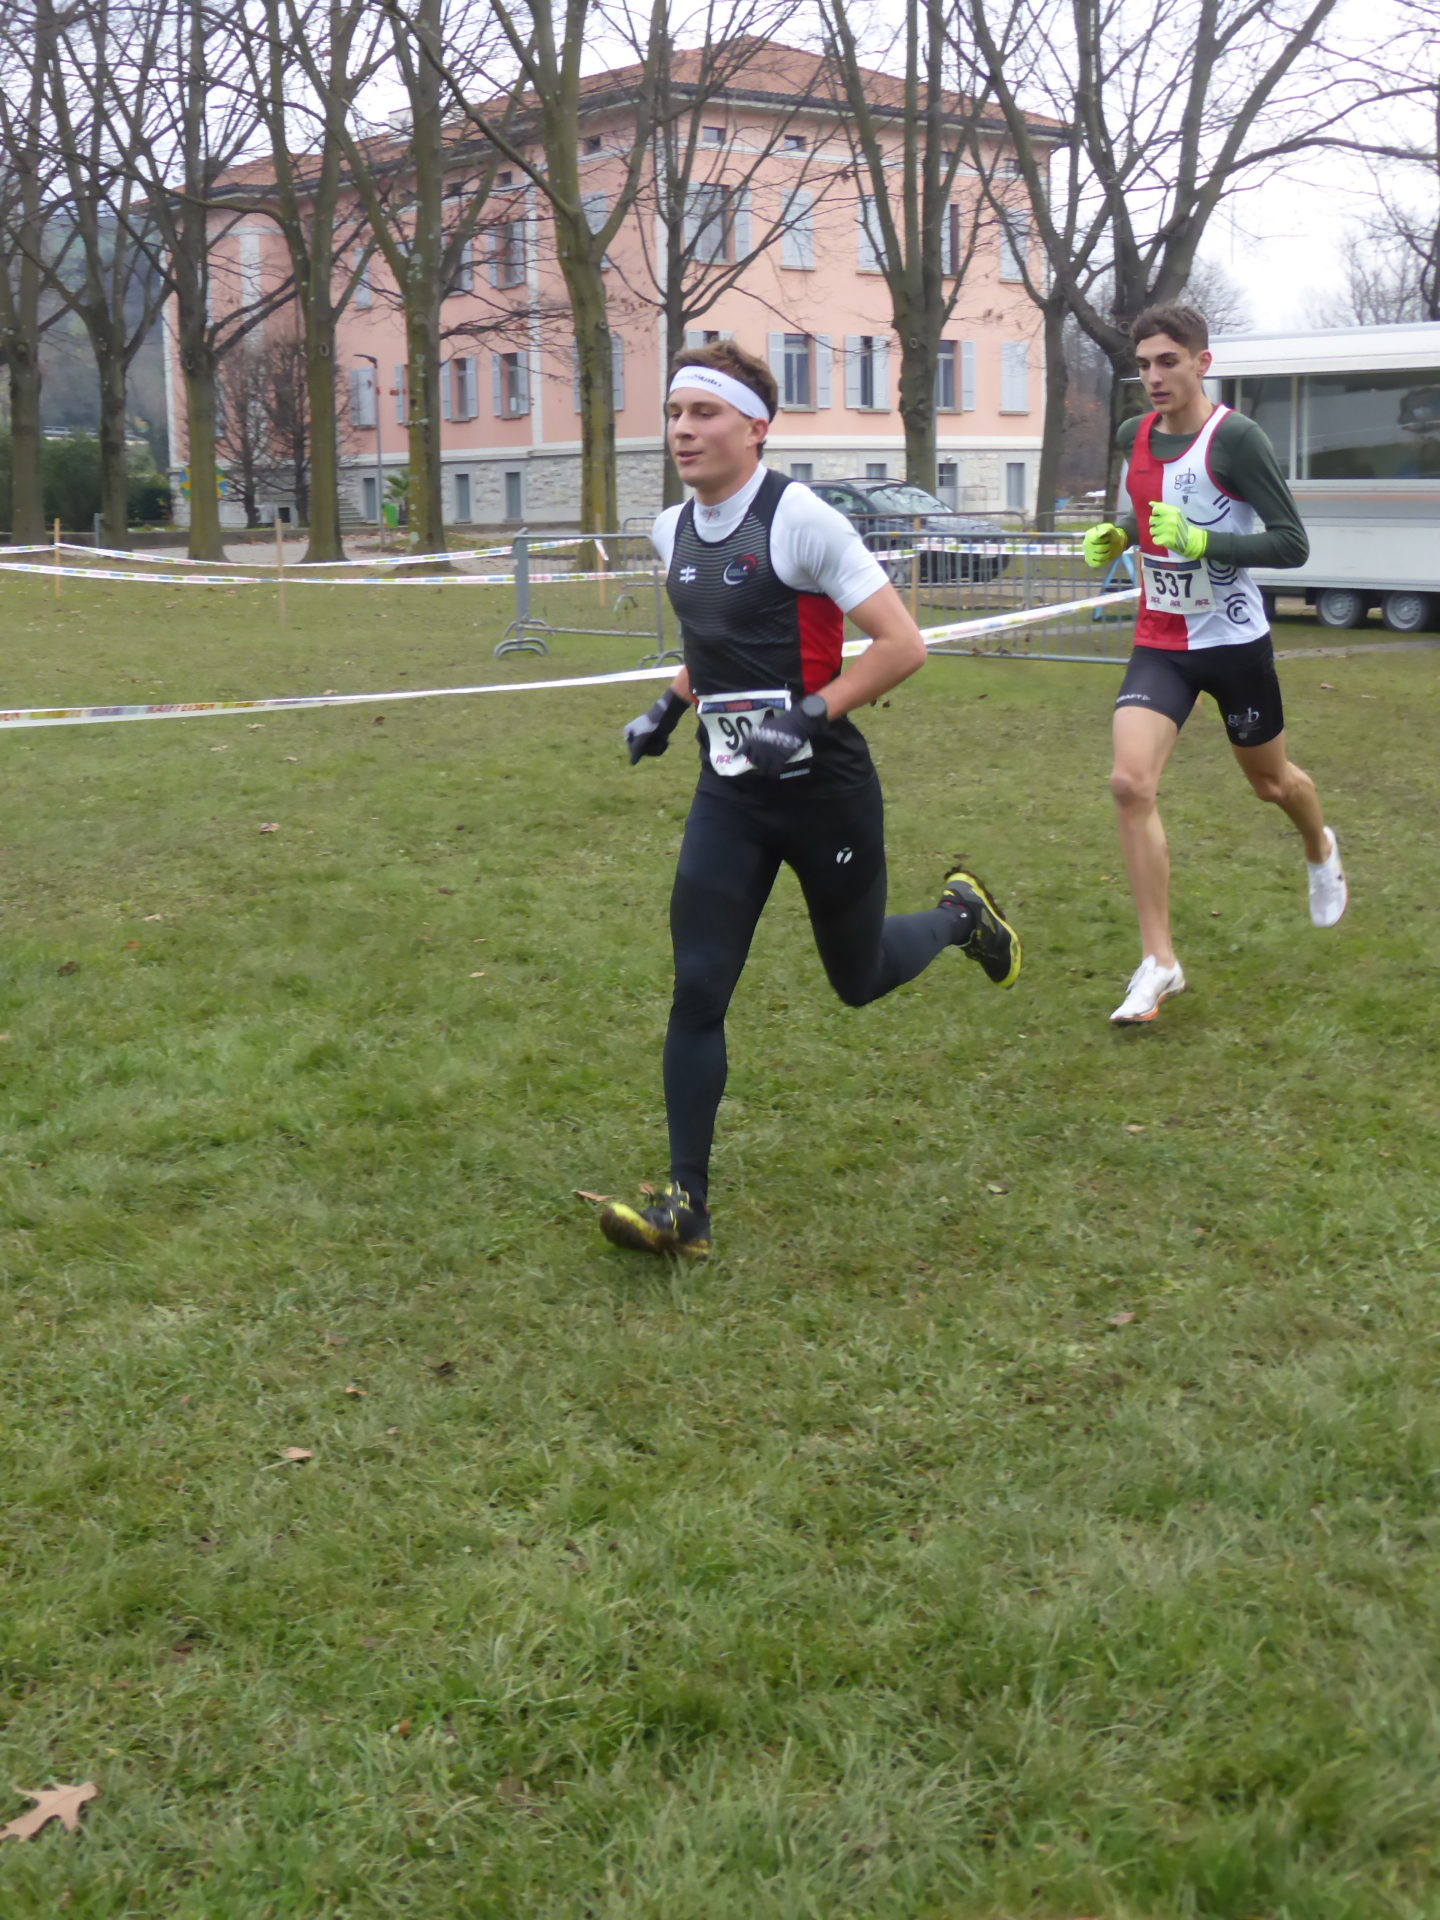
(618, 591)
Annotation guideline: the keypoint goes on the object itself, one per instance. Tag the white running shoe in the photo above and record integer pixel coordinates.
(1149, 985)
(1329, 895)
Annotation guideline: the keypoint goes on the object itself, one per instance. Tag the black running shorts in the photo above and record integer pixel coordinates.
(1240, 680)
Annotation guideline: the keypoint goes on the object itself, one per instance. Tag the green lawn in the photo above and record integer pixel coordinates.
(870, 1571)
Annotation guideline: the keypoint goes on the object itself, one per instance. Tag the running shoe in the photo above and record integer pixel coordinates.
(1329, 895)
(992, 940)
(1150, 985)
(670, 1224)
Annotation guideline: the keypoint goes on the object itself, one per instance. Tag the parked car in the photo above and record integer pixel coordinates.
(884, 513)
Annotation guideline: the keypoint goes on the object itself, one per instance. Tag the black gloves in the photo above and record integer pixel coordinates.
(780, 736)
(650, 731)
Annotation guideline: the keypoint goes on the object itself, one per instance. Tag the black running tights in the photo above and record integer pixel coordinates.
(732, 851)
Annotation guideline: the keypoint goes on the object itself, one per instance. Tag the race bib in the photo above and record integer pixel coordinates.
(728, 717)
(1176, 586)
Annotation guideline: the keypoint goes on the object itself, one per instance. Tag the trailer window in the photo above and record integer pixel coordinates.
(1271, 405)
(1371, 426)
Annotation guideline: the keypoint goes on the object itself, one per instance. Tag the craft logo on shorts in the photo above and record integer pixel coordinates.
(741, 570)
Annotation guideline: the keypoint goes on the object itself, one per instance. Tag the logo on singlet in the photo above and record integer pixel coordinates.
(687, 576)
(739, 571)
(844, 856)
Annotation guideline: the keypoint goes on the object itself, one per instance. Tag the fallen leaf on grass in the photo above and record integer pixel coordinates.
(392, 1431)
(1134, 1129)
(357, 1393)
(1327, 686)
(444, 889)
(1120, 1319)
(994, 1186)
(132, 943)
(378, 721)
(441, 1368)
(68, 966)
(297, 1456)
(51, 1803)
(512, 1790)
(154, 916)
(600, 1199)
(478, 976)
(270, 826)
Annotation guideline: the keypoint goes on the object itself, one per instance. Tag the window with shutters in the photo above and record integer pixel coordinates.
(945, 395)
(512, 385)
(796, 388)
(1014, 376)
(1014, 243)
(947, 482)
(797, 243)
(867, 371)
(465, 399)
(710, 223)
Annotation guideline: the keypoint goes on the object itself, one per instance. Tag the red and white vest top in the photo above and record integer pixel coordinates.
(1224, 604)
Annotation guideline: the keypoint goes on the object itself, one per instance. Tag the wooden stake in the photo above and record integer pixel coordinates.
(57, 556)
(280, 565)
(915, 577)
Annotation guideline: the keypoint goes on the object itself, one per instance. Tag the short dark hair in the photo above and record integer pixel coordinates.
(725, 357)
(1185, 324)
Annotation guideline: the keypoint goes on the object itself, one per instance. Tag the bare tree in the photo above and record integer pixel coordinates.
(707, 211)
(1172, 107)
(426, 195)
(307, 197)
(916, 136)
(24, 187)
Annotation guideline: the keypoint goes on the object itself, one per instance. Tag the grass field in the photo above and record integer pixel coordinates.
(1030, 1513)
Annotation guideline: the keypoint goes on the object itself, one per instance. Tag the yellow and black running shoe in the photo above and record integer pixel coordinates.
(992, 940)
(670, 1224)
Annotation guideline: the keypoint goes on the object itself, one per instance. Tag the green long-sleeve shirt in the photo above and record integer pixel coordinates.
(1243, 461)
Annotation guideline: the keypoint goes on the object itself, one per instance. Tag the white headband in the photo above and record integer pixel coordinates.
(725, 387)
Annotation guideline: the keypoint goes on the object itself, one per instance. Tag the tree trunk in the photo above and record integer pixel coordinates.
(27, 484)
(1127, 400)
(325, 542)
(114, 455)
(599, 490)
(919, 349)
(197, 370)
(422, 341)
(1057, 389)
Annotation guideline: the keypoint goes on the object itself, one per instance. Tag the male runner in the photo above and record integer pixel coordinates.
(1208, 502)
(761, 574)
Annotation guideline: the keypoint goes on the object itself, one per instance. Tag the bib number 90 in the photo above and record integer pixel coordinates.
(730, 718)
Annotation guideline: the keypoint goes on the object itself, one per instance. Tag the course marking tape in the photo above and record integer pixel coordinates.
(310, 579)
(190, 709)
(364, 560)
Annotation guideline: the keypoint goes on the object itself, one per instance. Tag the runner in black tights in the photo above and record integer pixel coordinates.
(761, 574)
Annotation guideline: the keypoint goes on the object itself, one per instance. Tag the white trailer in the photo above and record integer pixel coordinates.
(1354, 416)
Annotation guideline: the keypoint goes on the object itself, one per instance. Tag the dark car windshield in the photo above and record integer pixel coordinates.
(903, 498)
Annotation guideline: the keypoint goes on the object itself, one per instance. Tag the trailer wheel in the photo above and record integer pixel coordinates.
(1408, 612)
(1340, 607)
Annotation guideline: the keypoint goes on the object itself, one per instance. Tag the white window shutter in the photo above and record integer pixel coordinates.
(967, 376)
(617, 370)
(356, 402)
(1014, 377)
(694, 337)
(575, 374)
(797, 245)
(882, 374)
(823, 360)
(402, 378)
(947, 240)
(775, 354)
(497, 383)
(869, 256)
(853, 350)
(447, 411)
(492, 256)
(522, 368)
(742, 225)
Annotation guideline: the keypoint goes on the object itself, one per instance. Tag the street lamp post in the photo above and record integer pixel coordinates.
(379, 451)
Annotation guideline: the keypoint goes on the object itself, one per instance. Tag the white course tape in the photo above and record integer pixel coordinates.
(364, 560)
(310, 579)
(190, 709)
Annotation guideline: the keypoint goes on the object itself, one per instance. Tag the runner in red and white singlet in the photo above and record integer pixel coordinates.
(1207, 502)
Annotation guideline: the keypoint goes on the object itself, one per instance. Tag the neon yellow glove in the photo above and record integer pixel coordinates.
(1169, 528)
(1104, 543)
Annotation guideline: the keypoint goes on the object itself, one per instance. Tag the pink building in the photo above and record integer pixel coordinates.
(771, 152)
